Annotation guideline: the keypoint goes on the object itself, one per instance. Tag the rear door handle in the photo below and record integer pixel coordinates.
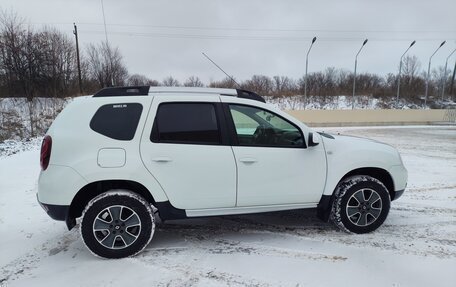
(248, 160)
(162, 159)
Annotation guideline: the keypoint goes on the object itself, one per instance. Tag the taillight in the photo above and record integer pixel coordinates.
(45, 154)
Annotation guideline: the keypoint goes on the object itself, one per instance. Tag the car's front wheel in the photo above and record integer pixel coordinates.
(117, 224)
(361, 204)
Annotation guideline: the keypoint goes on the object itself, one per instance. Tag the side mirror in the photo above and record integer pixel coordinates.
(313, 141)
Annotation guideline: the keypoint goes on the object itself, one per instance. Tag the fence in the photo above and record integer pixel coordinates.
(374, 117)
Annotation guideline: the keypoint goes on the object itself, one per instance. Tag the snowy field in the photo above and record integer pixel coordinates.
(415, 247)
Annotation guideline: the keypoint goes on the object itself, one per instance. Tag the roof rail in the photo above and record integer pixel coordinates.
(249, 95)
(123, 91)
(144, 91)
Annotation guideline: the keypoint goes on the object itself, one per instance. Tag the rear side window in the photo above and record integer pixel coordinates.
(191, 123)
(117, 121)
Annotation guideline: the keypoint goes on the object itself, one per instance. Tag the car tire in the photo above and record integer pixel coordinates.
(117, 224)
(361, 204)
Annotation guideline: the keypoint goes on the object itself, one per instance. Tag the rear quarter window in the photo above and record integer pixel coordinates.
(117, 121)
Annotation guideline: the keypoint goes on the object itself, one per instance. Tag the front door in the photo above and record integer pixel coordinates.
(274, 165)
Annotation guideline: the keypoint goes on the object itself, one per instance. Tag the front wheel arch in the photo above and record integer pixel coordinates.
(378, 173)
(326, 201)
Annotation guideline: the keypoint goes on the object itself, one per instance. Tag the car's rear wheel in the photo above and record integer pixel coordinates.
(361, 204)
(117, 224)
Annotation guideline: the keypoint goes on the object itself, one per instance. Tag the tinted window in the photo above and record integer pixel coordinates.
(194, 123)
(117, 121)
(258, 127)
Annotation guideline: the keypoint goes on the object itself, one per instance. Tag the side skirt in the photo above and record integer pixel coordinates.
(246, 209)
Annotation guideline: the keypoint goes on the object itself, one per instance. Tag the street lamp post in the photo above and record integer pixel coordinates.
(452, 81)
(428, 72)
(445, 73)
(399, 76)
(307, 64)
(354, 76)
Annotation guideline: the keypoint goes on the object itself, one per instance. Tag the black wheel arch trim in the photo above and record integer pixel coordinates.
(93, 189)
(166, 210)
(378, 173)
(324, 207)
(326, 201)
(397, 194)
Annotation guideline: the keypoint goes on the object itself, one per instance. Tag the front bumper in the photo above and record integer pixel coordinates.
(400, 176)
(57, 212)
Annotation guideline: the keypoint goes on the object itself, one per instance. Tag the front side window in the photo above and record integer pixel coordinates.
(258, 127)
(191, 123)
(117, 121)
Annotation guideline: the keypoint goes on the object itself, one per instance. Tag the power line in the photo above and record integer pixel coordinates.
(250, 29)
(241, 37)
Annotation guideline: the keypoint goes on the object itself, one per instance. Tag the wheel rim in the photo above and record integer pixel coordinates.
(364, 207)
(117, 227)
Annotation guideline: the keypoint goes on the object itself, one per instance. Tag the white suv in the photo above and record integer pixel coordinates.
(117, 158)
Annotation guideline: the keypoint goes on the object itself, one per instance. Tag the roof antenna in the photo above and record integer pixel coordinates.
(232, 79)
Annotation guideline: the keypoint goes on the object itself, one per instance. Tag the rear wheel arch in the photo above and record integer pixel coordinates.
(92, 190)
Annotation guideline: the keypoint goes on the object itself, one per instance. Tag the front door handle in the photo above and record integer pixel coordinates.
(162, 159)
(248, 160)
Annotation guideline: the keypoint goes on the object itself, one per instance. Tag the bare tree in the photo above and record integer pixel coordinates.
(411, 67)
(141, 80)
(283, 86)
(227, 83)
(170, 82)
(413, 82)
(106, 65)
(193, 81)
(19, 54)
(20, 59)
(58, 68)
(261, 84)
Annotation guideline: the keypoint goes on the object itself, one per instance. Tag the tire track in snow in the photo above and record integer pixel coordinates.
(19, 266)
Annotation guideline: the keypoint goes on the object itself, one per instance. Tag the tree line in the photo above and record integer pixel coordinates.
(43, 63)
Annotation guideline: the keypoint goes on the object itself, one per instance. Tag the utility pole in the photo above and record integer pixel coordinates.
(75, 32)
(107, 45)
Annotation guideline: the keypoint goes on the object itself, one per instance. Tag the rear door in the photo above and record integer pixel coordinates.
(184, 146)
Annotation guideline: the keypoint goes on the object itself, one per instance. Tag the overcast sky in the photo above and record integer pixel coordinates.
(162, 38)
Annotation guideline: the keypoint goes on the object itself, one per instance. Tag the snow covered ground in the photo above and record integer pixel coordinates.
(415, 247)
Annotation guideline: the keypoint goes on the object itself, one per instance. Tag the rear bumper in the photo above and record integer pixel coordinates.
(57, 212)
(59, 184)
